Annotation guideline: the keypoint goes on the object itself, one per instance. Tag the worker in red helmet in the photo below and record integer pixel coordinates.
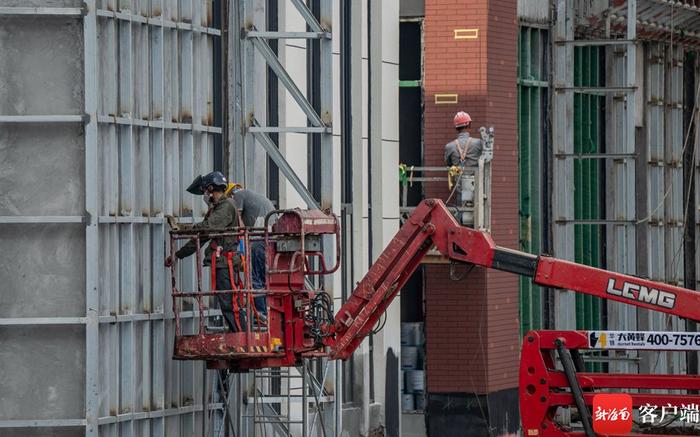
(464, 153)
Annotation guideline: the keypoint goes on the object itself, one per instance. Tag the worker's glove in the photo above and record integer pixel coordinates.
(169, 261)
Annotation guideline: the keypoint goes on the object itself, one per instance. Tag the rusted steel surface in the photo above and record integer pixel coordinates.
(225, 346)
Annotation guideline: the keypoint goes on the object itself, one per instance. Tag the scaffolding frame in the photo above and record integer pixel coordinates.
(249, 49)
(619, 157)
(644, 44)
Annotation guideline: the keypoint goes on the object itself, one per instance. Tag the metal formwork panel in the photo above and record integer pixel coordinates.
(155, 129)
(656, 190)
(620, 180)
(673, 154)
(675, 203)
(563, 145)
(663, 215)
(655, 161)
(145, 104)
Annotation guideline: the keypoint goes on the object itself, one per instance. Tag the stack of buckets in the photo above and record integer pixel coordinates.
(412, 367)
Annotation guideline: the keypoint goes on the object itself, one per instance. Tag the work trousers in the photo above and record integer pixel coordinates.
(223, 282)
(257, 249)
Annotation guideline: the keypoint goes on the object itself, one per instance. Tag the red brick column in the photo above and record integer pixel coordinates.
(472, 325)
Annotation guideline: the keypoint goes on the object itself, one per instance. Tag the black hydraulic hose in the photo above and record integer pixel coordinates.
(570, 371)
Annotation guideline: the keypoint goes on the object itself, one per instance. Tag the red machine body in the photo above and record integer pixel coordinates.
(299, 324)
(544, 388)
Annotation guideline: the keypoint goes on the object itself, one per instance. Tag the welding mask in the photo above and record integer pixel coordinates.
(196, 186)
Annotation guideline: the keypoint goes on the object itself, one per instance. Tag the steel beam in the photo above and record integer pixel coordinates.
(23, 219)
(157, 124)
(595, 42)
(16, 321)
(264, 49)
(158, 22)
(124, 318)
(596, 222)
(597, 156)
(620, 179)
(308, 16)
(563, 169)
(274, 153)
(56, 12)
(92, 205)
(287, 35)
(45, 423)
(42, 118)
(293, 129)
(598, 90)
(157, 413)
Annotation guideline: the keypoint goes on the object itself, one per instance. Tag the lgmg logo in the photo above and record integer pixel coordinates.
(642, 293)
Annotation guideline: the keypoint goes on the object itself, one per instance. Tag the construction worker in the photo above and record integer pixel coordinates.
(253, 208)
(222, 251)
(464, 153)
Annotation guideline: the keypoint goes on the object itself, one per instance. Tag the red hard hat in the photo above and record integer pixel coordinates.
(462, 119)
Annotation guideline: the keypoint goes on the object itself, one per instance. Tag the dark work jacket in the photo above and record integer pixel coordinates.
(221, 214)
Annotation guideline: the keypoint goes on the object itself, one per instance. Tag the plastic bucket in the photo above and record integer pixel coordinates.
(407, 402)
(420, 401)
(409, 357)
(415, 381)
(412, 334)
(406, 334)
(418, 337)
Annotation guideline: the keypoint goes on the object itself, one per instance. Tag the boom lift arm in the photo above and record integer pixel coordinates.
(432, 224)
(543, 389)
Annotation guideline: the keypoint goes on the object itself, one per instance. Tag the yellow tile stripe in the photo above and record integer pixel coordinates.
(446, 99)
(466, 33)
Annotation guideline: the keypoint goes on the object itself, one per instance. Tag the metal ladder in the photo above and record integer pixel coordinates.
(289, 401)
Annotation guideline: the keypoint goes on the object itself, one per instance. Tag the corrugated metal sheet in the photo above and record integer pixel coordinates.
(95, 357)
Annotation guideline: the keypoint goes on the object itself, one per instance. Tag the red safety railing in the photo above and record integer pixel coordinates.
(297, 314)
(242, 291)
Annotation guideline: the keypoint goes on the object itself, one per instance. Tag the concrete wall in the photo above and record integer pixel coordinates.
(42, 265)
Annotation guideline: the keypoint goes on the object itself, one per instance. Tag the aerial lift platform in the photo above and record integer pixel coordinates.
(301, 322)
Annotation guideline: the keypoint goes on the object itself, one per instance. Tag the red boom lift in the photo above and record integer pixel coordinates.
(300, 322)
